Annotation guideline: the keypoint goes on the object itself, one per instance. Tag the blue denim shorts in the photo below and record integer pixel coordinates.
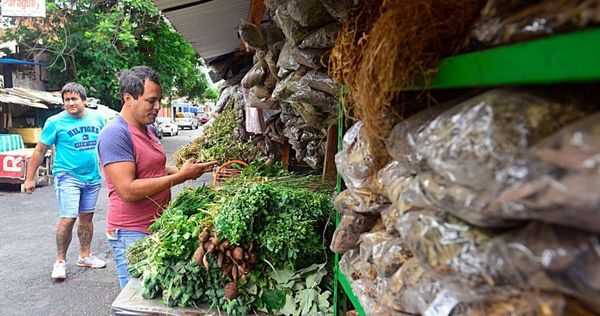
(75, 196)
(120, 241)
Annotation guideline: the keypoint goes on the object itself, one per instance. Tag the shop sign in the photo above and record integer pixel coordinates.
(12, 166)
(31, 8)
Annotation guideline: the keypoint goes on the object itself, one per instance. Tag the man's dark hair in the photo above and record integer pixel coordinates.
(73, 87)
(132, 81)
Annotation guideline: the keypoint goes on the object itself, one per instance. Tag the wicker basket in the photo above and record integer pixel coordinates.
(226, 171)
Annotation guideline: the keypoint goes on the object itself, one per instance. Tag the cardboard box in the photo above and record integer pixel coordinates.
(30, 135)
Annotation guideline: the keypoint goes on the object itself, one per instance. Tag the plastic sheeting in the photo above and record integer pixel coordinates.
(455, 253)
(554, 258)
(321, 38)
(308, 13)
(320, 81)
(254, 76)
(388, 281)
(285, 59)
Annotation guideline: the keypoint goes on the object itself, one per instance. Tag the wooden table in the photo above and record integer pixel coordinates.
(131, 303)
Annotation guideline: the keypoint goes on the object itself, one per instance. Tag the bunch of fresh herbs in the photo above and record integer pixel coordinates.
(289, 225)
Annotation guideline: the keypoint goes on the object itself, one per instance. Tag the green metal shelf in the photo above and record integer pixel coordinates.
(571, 57)
(343, 279)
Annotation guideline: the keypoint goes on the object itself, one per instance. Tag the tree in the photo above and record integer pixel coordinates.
(211, 94)
(93, 41)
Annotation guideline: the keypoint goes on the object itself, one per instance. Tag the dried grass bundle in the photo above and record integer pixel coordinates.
(400, 48)
(351, 41)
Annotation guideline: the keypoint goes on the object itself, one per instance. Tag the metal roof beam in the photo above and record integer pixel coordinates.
(185, 6)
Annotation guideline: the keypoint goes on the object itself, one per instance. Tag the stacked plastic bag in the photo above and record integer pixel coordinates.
(289, 75)
(469, 154)
(507, 21)
(488, 207)
(360, 204)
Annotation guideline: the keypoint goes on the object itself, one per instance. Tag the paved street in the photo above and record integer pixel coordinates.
(27, 253)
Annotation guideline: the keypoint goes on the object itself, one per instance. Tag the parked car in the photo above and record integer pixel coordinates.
(202, 117)
(184, 120)
(167, 126)
(159, 131)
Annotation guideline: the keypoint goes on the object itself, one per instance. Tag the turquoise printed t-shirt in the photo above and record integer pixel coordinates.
(75, 140)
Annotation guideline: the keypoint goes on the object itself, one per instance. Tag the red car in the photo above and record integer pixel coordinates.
(202, 118)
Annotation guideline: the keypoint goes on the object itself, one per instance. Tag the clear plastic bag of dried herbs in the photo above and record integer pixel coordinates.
(471, 152)
(555, 258)
(562, 179)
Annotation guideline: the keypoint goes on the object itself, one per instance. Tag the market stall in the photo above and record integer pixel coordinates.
(467, 165)
(27, 110)
(22, 118)
(13, 167)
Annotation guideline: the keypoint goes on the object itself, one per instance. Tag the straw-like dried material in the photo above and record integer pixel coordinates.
(400, 48)
(351, 41)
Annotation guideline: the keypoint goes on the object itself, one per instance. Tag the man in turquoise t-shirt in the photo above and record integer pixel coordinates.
(74, 133)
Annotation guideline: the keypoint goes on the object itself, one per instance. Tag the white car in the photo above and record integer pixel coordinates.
(186, 120)
(166, 125)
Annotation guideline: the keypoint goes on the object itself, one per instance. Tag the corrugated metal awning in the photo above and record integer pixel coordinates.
(209, 25)
(35, 95)
(13, 99)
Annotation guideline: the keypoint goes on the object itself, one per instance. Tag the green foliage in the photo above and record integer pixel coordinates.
(212, 93)
(287, 223)
(218, 141)
(191, 201)
(237, 216)
(163, 260)
(183, 283)
(176, 234)
(259, 172)
(92, 41)
(293, 232)
(299, 293)
(290, 228)
(258, 168)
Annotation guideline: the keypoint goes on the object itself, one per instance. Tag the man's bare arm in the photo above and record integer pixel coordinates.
(122, 176)
(171, 169)
(32, 165)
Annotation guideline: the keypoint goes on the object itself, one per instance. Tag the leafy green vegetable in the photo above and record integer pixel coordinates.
(190, 201)
(303, 292)
(287, 224)
(289, 227)
(273, 299)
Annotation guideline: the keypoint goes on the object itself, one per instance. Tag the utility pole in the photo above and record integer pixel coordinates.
(171, 100)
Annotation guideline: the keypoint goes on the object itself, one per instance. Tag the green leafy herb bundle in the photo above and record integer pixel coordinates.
(286, 223)
(288, 226)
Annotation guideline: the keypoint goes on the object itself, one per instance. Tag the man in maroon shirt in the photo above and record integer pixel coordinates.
(134, 165)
